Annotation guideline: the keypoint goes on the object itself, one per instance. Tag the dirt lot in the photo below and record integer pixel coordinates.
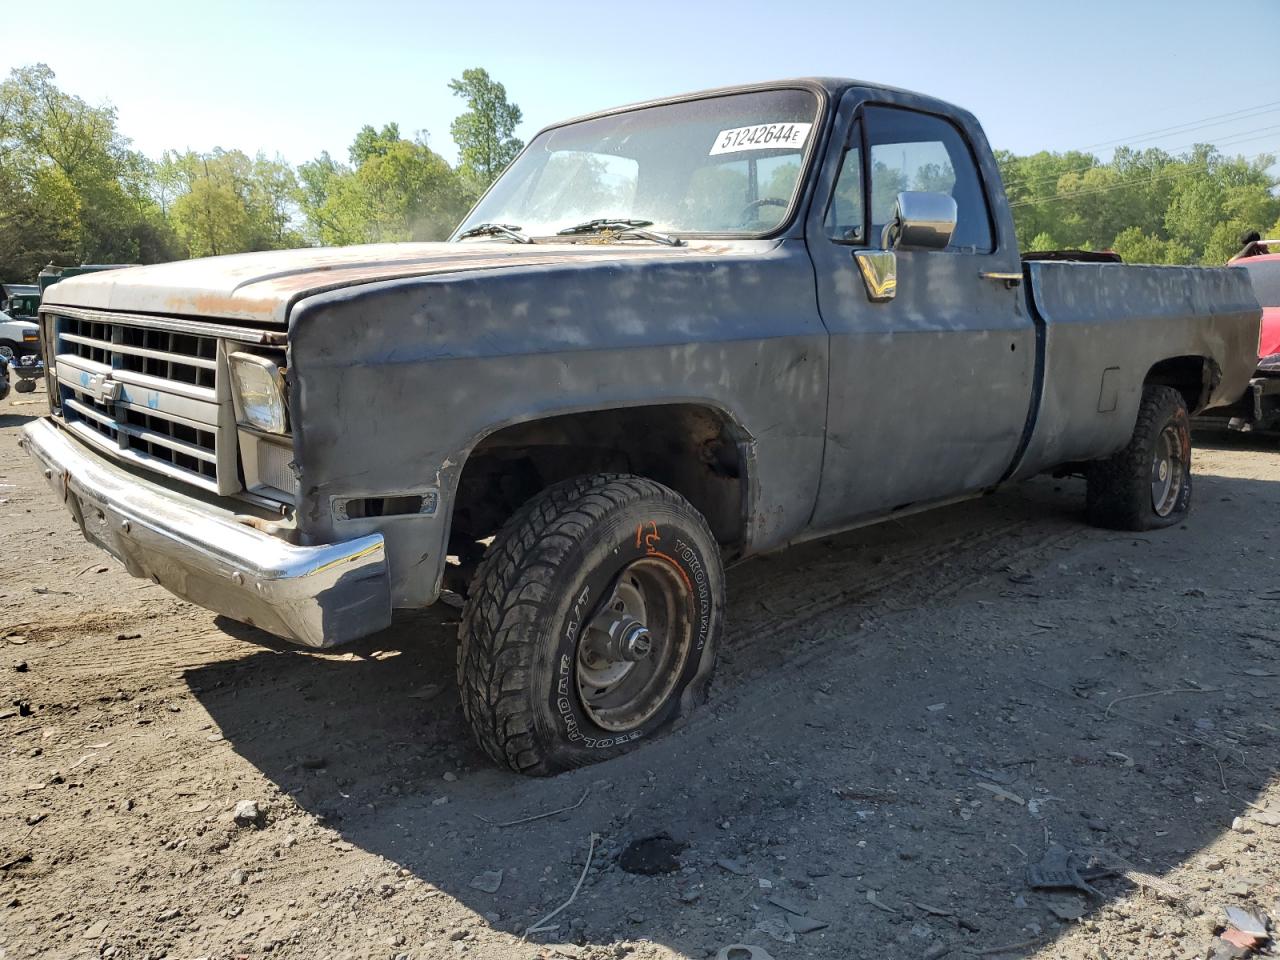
(905, 718)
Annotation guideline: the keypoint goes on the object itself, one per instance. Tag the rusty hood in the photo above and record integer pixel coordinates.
(261, 287)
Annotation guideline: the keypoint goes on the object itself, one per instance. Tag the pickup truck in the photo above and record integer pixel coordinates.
(668, 337)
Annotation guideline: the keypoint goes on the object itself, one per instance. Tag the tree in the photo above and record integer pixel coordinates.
(396, 189)
(1147, 205)
(71, 189)
(485, 133)
(226, 202)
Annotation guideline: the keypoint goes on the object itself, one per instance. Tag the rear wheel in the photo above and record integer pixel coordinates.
(1147, 484)
(591, 624)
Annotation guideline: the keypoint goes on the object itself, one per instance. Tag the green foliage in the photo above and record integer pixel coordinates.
(226, 202)
(70, 187)
(396, 189)
(1147, 205)
(485, 133)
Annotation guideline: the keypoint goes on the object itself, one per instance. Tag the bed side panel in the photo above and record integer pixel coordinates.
(1107, 325)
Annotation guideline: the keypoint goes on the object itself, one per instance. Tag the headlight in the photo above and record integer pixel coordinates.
(258, 391)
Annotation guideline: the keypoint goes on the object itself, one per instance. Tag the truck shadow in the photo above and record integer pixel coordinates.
(914, 709)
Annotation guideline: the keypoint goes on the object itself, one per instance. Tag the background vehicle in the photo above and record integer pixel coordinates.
(1258, 409)
(669, 336)
(20, 300)
(21, 337)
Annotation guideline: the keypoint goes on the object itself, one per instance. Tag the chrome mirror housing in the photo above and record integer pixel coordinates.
(921, 221)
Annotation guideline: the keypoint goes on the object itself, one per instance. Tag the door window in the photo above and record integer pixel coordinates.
(916, 151)
(846, 217)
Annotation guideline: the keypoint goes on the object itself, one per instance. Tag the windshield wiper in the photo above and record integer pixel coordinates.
(507, 230)
(621, 228)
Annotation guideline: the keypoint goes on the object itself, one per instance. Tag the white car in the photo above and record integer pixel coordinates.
(20, 336)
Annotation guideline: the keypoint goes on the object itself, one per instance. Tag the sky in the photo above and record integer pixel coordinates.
(296, 78)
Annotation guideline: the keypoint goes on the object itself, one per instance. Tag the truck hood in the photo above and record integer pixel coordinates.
(261, 287)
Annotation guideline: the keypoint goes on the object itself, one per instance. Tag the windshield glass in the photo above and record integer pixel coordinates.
(722, 165)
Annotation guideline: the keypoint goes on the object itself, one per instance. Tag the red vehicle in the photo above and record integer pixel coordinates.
(1259, 408)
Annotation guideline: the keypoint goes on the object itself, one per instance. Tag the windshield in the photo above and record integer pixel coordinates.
(722, 165)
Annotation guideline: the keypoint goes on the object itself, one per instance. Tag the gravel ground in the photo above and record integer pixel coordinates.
(905, 719)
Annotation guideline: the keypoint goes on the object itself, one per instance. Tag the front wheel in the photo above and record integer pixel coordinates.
(1147, 484)
(591, 624)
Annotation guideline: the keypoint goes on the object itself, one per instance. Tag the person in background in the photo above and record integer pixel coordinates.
(1251, 246)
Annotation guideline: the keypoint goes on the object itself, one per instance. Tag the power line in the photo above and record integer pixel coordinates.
(1217, 118)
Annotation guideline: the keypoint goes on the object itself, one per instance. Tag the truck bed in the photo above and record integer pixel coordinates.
(1101, 327)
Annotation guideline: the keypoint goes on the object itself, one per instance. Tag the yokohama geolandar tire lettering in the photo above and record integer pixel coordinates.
(591, 624)
(1147, 484)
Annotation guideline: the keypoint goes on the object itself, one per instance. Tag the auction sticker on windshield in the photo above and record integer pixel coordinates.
(763, 136)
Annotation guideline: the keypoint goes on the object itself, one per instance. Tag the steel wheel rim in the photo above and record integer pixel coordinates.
(1168, 471)
(620, 684)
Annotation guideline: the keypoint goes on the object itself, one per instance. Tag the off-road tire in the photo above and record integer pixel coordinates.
(1119, 491)
(536, 590)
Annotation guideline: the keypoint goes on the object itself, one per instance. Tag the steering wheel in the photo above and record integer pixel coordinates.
(751, 207)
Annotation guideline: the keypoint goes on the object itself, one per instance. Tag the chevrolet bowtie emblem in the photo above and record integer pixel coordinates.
(107, 390)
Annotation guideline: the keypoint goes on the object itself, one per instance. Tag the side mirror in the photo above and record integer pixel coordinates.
(921, 221)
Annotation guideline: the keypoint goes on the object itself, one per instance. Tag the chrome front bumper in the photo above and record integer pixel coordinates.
(318, 596)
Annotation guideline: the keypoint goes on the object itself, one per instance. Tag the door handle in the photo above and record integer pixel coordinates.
(1010, 280)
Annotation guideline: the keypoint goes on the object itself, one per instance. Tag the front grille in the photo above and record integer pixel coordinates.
(156, 398)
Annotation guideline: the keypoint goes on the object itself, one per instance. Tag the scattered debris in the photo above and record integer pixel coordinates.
(1066, 909)
(536, 816)
(541, 925)
(736, 867)
(249, 814)
(650, 856)
(1249, 922)
(776, 927)
(801, 923)
(487, 882)
(16, 861)
(1157, 693)
(1009, 947)
(875, 902)
(1056, 871)
(932, 911)
(1268, 818)
(742, 951)
(790, 906)
(1003, 794)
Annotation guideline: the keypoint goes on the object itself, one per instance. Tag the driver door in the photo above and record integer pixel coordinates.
(930, 388)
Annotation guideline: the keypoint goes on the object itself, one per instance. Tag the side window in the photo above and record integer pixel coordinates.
(846, 218)
(916, 151)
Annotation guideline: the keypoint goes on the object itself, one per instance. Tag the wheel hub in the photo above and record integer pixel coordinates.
(633, 650)
(1168, 471)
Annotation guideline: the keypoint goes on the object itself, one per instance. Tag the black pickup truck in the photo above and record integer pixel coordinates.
(670, 336)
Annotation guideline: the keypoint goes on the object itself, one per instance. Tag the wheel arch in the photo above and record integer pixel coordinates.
(1194, 376)
(695, 447)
